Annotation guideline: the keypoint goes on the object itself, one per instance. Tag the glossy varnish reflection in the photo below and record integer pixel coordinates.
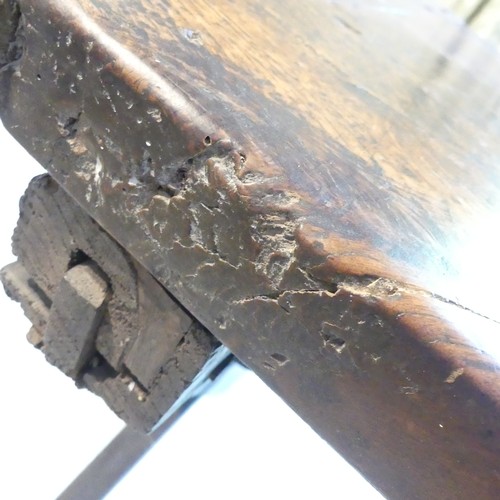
(333, 181)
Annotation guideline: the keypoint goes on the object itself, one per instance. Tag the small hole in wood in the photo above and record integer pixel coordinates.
(168, 189)
(181, 174)
(281, 359)
(77, 257)
(337, 344)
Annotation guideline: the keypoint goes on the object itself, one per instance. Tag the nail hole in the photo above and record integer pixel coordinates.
(330, 338)
(337, 343)
(281, 359)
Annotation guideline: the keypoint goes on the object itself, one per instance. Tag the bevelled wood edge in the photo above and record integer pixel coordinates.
(360, 361)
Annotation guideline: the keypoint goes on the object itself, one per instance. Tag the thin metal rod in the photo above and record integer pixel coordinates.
(476, 11)
(129, 446)
(121, 454)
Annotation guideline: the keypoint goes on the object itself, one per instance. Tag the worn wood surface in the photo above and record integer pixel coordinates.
(97, 314)
(318, 183)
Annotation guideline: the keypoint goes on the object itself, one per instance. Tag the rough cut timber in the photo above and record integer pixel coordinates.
(97, 314)
(317, 182)
(75, 314)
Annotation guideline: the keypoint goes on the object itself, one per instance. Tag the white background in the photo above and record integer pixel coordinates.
(239, 441)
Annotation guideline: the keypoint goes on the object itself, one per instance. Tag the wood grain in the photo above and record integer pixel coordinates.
(318, 184)
(98, 315)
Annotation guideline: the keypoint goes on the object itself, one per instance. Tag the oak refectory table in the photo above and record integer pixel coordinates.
(313, 185)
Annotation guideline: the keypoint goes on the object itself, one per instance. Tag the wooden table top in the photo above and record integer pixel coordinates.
(318, 182)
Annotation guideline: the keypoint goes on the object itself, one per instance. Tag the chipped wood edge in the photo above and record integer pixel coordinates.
(176, 229)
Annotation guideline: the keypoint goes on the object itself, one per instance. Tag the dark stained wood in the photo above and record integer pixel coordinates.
(98, 315)
(9, 14)
(76, 312)
(318, 183)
